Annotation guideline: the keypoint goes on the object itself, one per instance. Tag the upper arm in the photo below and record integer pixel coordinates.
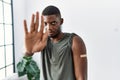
(80, 63)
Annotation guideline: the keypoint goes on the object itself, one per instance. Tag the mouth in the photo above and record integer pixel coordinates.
(50, 32)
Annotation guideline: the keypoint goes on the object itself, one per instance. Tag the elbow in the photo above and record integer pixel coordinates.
(81, 77)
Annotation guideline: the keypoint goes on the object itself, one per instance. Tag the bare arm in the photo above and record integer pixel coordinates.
(80, 59)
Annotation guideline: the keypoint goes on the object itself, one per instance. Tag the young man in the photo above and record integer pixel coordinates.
(63, 54)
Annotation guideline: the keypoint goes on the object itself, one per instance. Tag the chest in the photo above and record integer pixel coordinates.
(58, 52)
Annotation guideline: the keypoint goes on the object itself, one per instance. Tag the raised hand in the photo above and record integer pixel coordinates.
(35, 40)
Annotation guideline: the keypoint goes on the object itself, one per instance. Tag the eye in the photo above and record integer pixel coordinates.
(54, 23)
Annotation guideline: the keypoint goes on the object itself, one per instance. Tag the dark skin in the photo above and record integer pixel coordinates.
(35, 41)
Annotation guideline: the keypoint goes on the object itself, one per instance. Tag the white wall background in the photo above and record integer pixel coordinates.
(96, 21)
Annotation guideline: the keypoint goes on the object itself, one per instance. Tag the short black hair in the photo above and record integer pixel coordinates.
(51, 10)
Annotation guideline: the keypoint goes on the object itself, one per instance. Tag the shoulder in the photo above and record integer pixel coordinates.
(78, 44)
(76, 38)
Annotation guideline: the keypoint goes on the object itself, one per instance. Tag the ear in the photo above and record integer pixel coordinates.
(62, 20)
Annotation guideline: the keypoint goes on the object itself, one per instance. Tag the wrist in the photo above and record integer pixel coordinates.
(28, 54)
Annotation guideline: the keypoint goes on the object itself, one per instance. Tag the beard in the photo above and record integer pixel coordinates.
(56, 34)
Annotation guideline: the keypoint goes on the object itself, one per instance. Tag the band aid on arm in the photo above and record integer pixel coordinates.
(83, 55)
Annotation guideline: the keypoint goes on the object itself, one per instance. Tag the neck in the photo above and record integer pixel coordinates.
(57, 38)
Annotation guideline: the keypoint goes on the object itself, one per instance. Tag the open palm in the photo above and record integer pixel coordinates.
(35, 40)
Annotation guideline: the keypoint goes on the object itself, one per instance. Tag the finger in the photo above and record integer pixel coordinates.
(25, 27)
(45, 29)
(42, 25)
(45, 36)
(32, 26)
(37, 21)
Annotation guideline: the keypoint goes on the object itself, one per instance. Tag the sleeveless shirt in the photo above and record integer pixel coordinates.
(57, 61)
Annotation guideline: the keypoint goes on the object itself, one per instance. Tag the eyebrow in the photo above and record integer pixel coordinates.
(50, 22)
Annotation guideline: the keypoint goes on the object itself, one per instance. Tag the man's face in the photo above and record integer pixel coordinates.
(53, 25)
